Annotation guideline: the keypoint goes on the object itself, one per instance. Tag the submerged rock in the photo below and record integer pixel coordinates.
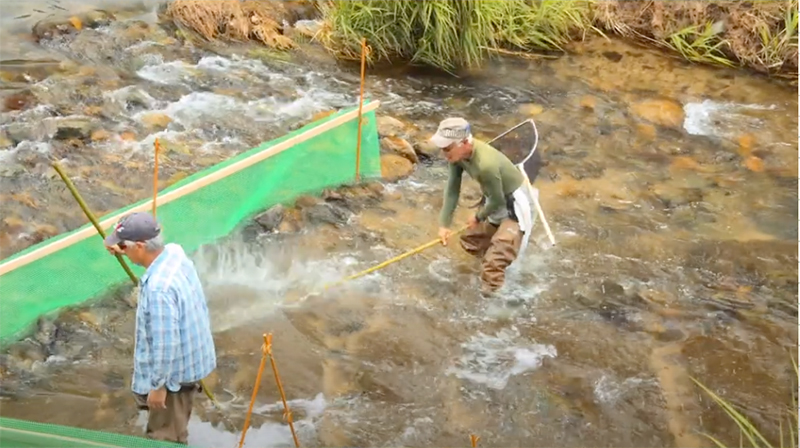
(156, 121)
(662, 112)
(326, 213)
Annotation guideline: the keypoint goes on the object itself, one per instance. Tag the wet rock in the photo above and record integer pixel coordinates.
(98, 18)
(100, 135)
(400, 147)
(612, 289)
(323, 114)
(308, 28)
(306, 201)
(588, 171)
(426, 151)
(530, 109)
(45, 331)
(20, 132)
(675, 197)
(326, 213)
(391, 127)
(156, 121)
(136, 31)
(588, 102)
(301, 11)
(355, 197)
(612, 56)
(754, 164)
(271, 219)
(5, 142)
(662, 112)
(26, 352)
(65, 128)
(48, 29)
(395, 167)
(290, 223)
(19, 101)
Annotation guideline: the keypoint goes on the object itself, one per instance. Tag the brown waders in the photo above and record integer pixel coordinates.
(496, 244)
(170, 424)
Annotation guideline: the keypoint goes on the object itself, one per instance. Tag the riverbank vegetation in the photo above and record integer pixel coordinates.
(755, 438)
(454, 34)
(450, 34)
(231, 20)
(761, 35)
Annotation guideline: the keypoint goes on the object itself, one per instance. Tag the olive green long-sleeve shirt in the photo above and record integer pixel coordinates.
(495, 173)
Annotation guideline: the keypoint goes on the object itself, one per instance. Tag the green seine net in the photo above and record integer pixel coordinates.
(83, 271)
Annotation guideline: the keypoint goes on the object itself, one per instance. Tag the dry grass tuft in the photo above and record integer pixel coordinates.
(761, 35)
(232, 20)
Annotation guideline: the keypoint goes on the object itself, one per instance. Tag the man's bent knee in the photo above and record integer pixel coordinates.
(477, 240)
(503, 251)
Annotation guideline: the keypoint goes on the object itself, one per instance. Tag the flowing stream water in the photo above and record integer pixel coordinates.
(671, 190)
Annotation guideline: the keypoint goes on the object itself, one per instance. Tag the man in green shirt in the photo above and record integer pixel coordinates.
(494, 232)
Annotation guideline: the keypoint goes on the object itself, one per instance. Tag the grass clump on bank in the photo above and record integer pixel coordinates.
(761, 35)
(231, 20)
(449, 34)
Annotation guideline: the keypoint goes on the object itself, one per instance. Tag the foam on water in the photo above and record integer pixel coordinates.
(493, 360)
(608, 390)
(7, 156)
(247, 282)
(718, 119)
(287, 99)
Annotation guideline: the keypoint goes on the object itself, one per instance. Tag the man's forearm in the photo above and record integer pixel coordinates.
(451, 193)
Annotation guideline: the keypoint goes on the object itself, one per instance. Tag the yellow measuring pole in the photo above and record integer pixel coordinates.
(393, 260)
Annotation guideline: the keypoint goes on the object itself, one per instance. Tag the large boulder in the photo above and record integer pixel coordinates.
(399, 146)
(395, 167)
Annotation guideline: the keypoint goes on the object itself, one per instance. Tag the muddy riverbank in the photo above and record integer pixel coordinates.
(671, 189)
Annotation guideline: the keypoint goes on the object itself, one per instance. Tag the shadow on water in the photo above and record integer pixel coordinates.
(671, 190)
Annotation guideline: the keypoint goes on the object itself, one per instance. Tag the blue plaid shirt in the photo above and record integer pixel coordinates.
(173, 333)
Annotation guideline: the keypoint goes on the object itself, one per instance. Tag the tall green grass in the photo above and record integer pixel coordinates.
(450, 34)
(748, 431)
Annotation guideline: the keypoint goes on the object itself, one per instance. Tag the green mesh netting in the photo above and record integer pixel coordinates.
(23, 434)
(84, 270)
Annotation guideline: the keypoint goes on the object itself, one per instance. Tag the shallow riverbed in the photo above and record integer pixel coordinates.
(671, 190)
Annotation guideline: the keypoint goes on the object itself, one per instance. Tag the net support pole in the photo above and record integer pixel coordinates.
(264, 355)
(360, 105)
(90, 215)
(287, 413)
(155, 176)
(474, 440)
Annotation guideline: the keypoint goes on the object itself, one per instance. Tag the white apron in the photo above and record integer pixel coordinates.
(524, 196)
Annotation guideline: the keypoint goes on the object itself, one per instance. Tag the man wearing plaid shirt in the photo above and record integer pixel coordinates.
(174, 348)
